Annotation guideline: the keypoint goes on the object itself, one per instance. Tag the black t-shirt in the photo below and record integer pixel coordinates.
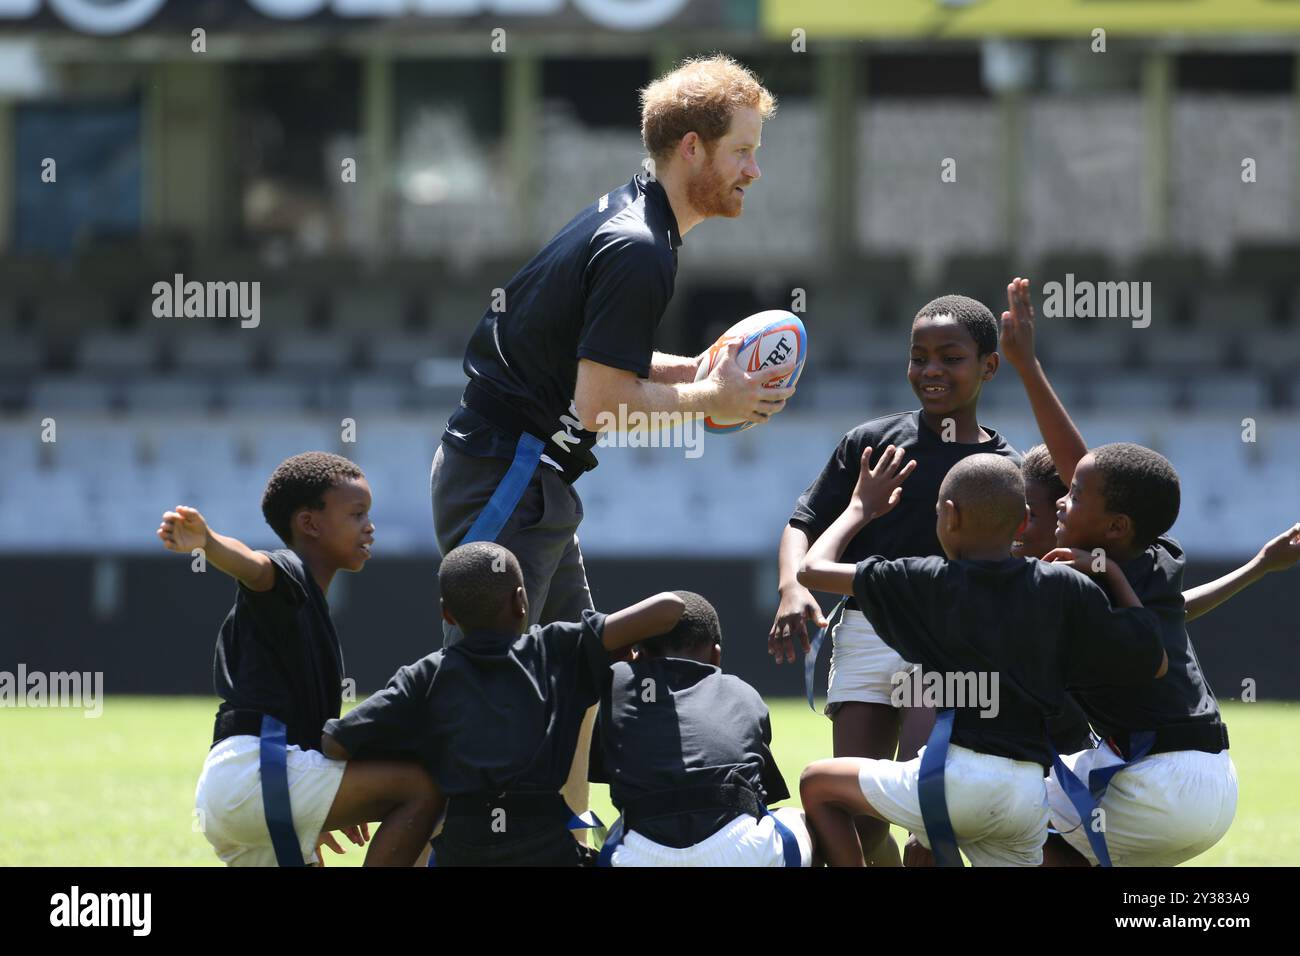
(278, 654)
(1041, 627)
(1182, 696)
(493, 712)
(668, 723)
(908, 529)
(597, 291)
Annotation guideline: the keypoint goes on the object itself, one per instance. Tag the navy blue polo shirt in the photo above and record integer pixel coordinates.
(908, 529)
(669, 723)
(1042, 628)
(493, 712)
(1182, 697)
(597, 290)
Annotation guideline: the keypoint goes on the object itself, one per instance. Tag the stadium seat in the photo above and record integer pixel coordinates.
(168, 395)
(318, 354)
(231, 350)
(60, 394)
(114, 351)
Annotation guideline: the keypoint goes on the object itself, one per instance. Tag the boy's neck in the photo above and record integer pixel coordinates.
(999, 552)
(967, 429)
(322, 572)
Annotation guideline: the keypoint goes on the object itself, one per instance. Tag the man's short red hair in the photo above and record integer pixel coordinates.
(699, 96)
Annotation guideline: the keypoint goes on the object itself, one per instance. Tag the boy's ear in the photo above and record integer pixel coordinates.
(991, 362)
(520, 603)
(1119, 528)
(446, 615)
(305, 523)
(1024, 523)
(715, 655)
(950, 515)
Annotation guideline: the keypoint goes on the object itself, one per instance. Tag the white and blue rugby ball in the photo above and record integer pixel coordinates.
(768, 339)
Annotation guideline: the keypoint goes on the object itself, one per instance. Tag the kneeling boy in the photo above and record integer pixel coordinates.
(685, 750)
(1035, 628)
(495, 717)
(267, 794)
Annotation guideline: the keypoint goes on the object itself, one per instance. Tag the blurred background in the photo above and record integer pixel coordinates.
(380, 166)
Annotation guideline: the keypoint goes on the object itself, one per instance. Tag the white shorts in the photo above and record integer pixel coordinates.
(862, 665)
(1159, 811)
(743, 842)
(998, 806)
(229, 800)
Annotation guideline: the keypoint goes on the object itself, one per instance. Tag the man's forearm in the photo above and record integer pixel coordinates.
(649, 396)
(1064, 442)
(672, 369)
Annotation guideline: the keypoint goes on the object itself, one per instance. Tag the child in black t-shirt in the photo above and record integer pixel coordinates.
(953, 353)
(1120, 502)
(267, 794)
(1013, 632)
(495, 717)
(685, 750)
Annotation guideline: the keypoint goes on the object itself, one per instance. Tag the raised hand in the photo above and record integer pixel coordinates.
(183, 529)
(742, 395)
(1016, 342)
(1281, 552)
(879, 489)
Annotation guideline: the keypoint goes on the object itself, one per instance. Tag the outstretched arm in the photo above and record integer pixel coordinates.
(1280, 553)
(185, 529)
(649, 618)
(1016, 343)
(877, 491)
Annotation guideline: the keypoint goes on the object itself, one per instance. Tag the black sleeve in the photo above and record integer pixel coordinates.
(830, 491)
(582, 644)
(290, 583)
(1108, 647)
(628, 288)
(899, 598)
(391, 720)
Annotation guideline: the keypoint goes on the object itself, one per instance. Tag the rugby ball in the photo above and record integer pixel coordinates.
(767, 339)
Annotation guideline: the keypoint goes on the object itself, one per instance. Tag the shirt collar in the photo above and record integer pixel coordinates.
(655, 192)
(486, 639)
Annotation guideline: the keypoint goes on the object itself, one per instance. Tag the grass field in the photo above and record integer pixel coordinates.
(118, 790)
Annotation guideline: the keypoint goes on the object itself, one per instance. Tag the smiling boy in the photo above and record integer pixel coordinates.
(267, 795)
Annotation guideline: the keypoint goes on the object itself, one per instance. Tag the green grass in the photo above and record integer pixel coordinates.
(119, 790)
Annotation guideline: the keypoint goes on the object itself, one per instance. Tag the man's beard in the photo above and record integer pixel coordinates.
(710, 195)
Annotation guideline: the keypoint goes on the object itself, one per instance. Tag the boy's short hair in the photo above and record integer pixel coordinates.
(1140, 483)
(1037, 465)
(699, 96)
(974, 317)
(989, 491)
(476, 581)
(698, 628)
(301, 481)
